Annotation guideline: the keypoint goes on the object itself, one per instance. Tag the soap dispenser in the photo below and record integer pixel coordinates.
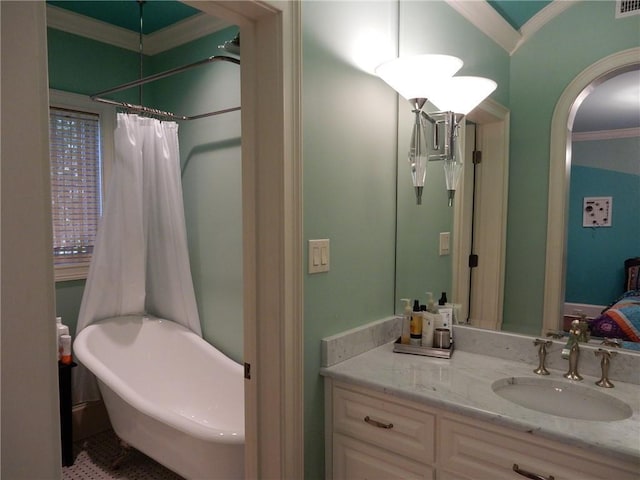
(406, 322)
(431, 304)
(446, 311)
(416, 325)
(432, 309)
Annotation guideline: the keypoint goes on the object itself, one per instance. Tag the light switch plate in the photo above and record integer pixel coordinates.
(319, 258)
(444, 247)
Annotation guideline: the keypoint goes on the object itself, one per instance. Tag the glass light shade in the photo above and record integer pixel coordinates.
(416, 76)
(462, 94)
(418, 156)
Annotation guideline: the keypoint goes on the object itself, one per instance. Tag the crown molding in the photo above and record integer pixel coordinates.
(488, 21)
(606, 134)
(70, 22)
(185, 31)
(491, 23)
(175, 35)
(541, 18)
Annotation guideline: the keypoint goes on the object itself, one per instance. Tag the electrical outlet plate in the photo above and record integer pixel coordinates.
(596, 211)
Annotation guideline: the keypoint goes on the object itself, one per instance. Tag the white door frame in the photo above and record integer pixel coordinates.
(559, 172)
(272, 232)
(491, 215)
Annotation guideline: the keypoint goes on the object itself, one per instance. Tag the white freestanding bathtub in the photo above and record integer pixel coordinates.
(169, 394)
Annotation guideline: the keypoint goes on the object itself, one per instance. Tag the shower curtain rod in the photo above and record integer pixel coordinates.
(97, 97)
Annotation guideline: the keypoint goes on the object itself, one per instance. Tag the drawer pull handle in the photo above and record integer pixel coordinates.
(533, 476)
(378, 424)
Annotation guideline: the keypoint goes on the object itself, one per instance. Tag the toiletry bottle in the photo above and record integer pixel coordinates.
(416, 325)
(65, 357)
(406, 322)
(431, 304)
(58, 324)
(427, 327)
(443, 299)
(446, 311)
(61, 329)
(433, 309)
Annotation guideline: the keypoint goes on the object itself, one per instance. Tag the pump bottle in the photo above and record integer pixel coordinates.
(431, 319)
(446, 311)
(406, 322)
(416, 324)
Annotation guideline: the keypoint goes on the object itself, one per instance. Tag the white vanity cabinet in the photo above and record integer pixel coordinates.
(375, 436)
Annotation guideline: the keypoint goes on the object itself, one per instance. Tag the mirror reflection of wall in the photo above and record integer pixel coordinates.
(605, 176)
(531, 79)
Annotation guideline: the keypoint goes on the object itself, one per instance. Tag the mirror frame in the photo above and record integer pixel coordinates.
(559, 176)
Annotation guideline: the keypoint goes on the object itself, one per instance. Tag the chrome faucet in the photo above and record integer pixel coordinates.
(604, 364)
(542, 355)
(572, 351)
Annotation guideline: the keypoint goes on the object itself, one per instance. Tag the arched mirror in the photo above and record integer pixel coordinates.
(594, 191)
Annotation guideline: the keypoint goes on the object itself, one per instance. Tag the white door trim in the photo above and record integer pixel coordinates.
(559, 171)
(491, 215)
(272, 232)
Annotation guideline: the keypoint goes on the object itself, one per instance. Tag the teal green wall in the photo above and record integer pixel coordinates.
(68, 298)
(80, 65)
(349, 152)
(540, 71)
(595, 256)
(212, 182)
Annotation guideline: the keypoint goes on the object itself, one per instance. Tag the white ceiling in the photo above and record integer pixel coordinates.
(612, 105)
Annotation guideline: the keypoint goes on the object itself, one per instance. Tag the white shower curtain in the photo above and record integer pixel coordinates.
(140, 261)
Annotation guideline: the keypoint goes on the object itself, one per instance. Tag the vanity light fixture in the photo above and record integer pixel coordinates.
(421, 77)
(455, 98)
(415, 78)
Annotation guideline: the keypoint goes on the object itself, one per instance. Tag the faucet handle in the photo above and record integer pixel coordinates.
(604, 364)
(555, 334)
(542, 355)
(601, 352)
(611, 342)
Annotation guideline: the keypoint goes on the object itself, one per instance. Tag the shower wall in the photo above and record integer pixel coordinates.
(210, 163)
(210, 158)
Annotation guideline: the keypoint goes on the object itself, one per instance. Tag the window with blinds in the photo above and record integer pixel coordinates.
(76, 184)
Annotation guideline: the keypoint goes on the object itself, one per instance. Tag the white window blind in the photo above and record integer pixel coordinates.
(76, 184)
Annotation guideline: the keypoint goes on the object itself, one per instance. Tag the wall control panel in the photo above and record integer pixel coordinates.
(596, 211)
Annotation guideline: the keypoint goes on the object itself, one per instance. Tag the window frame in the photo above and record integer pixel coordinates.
(107, 113)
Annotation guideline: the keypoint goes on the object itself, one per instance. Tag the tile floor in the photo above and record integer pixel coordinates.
(94, 456)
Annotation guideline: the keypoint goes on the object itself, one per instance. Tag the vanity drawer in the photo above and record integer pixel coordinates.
(475, 452)
(382, 422)
(356, 460)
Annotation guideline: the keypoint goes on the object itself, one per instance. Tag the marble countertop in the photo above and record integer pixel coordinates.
(462, 385)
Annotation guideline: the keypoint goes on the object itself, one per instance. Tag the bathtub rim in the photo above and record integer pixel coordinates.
(137, 401)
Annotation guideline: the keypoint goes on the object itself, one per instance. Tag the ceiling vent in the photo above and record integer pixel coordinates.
(626, 8)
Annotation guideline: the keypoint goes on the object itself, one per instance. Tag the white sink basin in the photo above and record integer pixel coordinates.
(561, 398)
